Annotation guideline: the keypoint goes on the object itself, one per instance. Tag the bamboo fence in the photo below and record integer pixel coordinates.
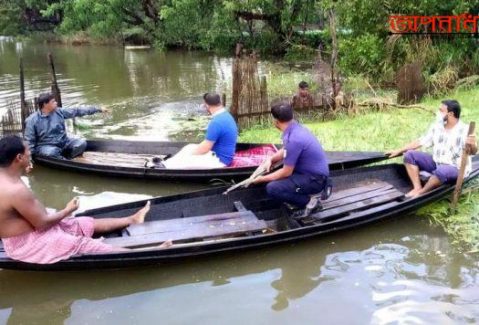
(250, 96)
(13, 122)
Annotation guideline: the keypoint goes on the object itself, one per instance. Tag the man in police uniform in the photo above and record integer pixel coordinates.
(305, 168)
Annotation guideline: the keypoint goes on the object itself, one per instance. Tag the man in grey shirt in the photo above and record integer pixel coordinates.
(45, 131)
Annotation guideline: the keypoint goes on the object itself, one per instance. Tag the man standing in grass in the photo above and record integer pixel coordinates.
(447, 137)
(302, 99)
(305, 168)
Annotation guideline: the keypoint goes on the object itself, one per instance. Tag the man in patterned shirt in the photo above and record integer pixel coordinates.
(447, 137)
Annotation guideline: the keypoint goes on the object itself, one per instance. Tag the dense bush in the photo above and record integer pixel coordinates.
(362, 55)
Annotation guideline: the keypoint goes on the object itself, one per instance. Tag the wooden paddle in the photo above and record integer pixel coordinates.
(261, 170)
(460, 177)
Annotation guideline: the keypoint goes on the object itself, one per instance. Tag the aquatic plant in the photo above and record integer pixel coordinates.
(462, 225)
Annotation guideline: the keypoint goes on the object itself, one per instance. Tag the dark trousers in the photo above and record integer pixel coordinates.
(445, 173)
(73, 148)
(296, 189)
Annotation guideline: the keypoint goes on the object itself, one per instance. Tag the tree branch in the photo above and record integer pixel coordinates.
(150, 10)
(247, 15)
(132, 17)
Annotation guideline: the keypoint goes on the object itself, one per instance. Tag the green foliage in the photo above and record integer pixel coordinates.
(293, 28)
(283, 83)
(264, 25)
(265, 42)
(224, 32)
(300, 53)
(363, 54)
(442, 53)
(11, 13)
(310, 38)
(184, 23)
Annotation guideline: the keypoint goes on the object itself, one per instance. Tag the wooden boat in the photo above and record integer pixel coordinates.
(121, 158)
(208, 222)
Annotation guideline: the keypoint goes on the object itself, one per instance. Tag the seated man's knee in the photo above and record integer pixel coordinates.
(82, 144)
(49, 151)
(446, 174)
(274, 189)
(187, 150)
(408, 157)
(79, 145)
(76, 149)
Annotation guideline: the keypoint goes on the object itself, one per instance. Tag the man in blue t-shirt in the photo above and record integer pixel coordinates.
(222, 131)
(218, 147)
(305, 166)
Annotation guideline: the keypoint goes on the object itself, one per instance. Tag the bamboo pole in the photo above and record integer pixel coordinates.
(263, 97)
(460, 177)
(334, 55)
(250, 95)
(23, 106)
(236, 86)
(55, 88)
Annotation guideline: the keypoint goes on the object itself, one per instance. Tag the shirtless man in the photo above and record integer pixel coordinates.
(303, 98)
(29, 233)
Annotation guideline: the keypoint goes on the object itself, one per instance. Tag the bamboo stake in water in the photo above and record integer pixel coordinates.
(462, 169)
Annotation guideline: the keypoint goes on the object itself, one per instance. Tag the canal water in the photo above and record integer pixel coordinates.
(403, 271)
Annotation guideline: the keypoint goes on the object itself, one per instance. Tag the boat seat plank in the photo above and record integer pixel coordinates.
(363, 214)
(182, 223)
(239, 206)
(387, 196)
(195, 231)
(360, 188)
(262, 204)
(117, 155)
(355, 198)
(131, 164)
(115, 158)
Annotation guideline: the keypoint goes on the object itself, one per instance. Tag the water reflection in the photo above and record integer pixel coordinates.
(322, 278)
(56, 188)
(300, 276)
(147, 90)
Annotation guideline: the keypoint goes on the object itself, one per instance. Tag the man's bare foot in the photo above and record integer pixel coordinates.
(166, 244)
(139, 217)
(413, 193)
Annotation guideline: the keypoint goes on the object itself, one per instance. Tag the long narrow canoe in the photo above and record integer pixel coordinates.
(208, 223)
(121, 158)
